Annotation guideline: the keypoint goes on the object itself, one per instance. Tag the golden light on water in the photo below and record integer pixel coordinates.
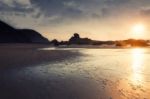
(137, 65)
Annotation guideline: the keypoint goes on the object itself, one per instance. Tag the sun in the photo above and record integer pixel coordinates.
(138, 28)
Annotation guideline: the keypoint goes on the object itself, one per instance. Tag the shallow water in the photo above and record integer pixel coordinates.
(96, 74)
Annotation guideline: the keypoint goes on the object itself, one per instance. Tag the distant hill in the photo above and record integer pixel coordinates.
(8, 34)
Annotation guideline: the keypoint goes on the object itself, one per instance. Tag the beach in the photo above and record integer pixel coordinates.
(46, 72)
(19, 55)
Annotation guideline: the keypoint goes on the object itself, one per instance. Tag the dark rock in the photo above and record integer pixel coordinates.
(75, 39)
(55, 42)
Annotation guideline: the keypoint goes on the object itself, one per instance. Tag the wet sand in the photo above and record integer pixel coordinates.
(19, 55)
(72, 74)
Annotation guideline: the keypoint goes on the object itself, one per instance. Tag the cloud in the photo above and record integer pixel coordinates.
(11, 10)
(56, 12)
(15, 7)
(116, 2)
(145, 12)
(57, 7)
(59, 12)
(10, 2)
(62, 9)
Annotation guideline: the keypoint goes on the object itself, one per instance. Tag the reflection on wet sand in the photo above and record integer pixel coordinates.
(137, 66)
(135, 87)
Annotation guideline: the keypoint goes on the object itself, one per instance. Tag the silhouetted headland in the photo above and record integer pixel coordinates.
(8, 34)
(77, 40)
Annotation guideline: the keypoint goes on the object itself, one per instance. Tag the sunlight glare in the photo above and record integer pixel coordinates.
(137, 56)
(138, 28)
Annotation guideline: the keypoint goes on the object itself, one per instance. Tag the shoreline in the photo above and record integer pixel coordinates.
(99, 47)
(20, 55)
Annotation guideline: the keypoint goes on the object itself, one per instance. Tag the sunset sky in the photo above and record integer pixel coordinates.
(96, 19)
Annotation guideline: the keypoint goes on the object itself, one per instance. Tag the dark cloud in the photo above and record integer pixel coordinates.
(57, 11)
(72, 12)
(95, 16)
(15, 8)
(116, 2)
(66, 9)
(47, 7)
(36, 15)
(51, 12)
(56, 7)
(105, 12)
(145, 12)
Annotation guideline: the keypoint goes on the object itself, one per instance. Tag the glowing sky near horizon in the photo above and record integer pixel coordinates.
(96, 19)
